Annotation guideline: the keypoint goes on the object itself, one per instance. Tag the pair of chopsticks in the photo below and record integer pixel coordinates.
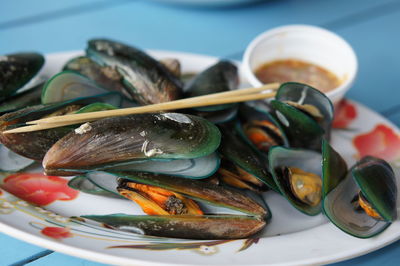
(242, 95)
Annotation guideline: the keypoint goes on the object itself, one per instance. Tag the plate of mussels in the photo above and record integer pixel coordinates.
(285, 181)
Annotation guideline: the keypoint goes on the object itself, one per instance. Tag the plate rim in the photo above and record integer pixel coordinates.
(92, 255)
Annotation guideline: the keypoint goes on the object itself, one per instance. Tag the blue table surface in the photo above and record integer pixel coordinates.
(371, 27)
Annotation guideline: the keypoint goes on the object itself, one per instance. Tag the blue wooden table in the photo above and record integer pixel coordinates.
(371, 27)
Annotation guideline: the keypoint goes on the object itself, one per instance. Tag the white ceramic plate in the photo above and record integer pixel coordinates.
(291, 238)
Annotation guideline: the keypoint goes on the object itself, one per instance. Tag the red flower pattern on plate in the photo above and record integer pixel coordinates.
(382, 142)
(38, 188)
(57, 232)
(345, 113)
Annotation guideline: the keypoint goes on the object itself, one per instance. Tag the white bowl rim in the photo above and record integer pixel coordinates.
(251, 78)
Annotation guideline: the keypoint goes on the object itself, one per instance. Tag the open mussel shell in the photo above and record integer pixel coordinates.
(68, 85)
(377, 181)
(17, 70)
(141, 137)
(195, 189)
(372, 178)
(220, 77)
(146, 80)
(301, 130)
(303, 94)
(185, 226)
(236, 150)
(105, 76)
(259, 128)
(34, 145)
(280, 159)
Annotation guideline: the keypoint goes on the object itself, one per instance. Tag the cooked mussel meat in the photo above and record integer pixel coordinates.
(305, 186)
(157, 201)
(297, 173)
(263, 134)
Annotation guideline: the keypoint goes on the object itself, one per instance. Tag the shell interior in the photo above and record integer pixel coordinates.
(306, 160)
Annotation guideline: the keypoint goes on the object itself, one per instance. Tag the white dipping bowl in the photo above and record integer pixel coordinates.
(306, 43)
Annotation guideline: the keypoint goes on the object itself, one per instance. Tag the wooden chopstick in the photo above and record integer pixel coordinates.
(241, 95)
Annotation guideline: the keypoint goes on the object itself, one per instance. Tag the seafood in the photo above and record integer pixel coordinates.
(259, 128)
(192, 178)
(104, 76)
(220, 77)
(298, 173)
(16, 70)
(118, 140)
(366, 194)
(43, 140)
(147, 80)
(234, 149)
(185, 226)
(304, 113)
(165, 198)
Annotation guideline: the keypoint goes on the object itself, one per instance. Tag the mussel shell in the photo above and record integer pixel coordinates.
(195, 189)
(107, 77)
(301, 130)
(197, 168)
(341, 190)
(305, 94)
(377, 182)
(236, 150)
(334, 168)
(306, 160)
(94, 107)
(147, 80)
(69, 85)
(219, 116)
(34, 145)
(220, 77)
(16, 70)
(117, 140)
(259, 111)
(185, 226)
(173, 65)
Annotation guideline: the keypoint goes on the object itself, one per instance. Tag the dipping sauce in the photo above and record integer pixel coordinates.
(298, 71)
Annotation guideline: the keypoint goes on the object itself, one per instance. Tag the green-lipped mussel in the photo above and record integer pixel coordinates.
(21, 143)
(304, 113)
(119, 140)
(220, 77)
(360, 201)
(297, 173)
(147, 80)
(172, 202)
(17, 70)
(236, 150)
(259, 128)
